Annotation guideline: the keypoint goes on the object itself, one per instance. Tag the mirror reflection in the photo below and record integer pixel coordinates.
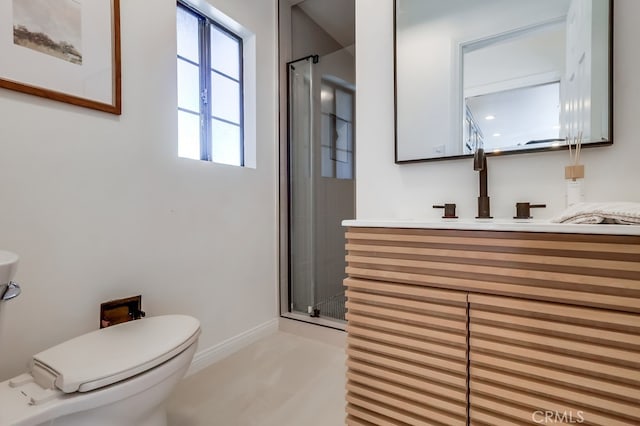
(506, 75)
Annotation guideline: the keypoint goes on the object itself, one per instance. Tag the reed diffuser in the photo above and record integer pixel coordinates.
(574, 173)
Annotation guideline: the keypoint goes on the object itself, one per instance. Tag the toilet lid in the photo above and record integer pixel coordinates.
(115, 353)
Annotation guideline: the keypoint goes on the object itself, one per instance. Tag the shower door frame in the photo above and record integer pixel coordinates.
(285, 299)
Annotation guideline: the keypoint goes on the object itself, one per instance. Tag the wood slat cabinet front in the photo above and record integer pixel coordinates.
(538, 362)
(407, 355)
(600, 271)
(492, 328)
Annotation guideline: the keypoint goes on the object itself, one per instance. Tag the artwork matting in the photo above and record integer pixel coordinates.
(65, 50)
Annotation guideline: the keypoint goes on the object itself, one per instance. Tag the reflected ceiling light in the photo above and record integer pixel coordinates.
(495, 135)
(490, 117)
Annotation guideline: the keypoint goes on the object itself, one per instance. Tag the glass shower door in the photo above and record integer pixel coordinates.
(301, 187)
(321, 186)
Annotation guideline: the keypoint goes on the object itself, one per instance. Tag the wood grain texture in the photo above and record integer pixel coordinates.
(492, 328)
(407, 354)
(521, 366)
(586, 270)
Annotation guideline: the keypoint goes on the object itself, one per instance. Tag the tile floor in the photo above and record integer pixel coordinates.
(282, 380)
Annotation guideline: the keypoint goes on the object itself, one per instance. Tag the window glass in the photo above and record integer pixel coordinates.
(345, 170)
(344, 105)
(187, 25)
(188, 135)
(225, 53)
(225, 98)
(227, 147)
(336, 137)
(342, 140)
(188, 86)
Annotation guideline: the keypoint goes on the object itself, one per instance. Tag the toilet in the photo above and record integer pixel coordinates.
(117, 376)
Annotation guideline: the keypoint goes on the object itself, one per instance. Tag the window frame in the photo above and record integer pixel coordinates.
(205, 69)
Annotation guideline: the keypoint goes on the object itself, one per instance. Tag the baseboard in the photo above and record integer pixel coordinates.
(215, 353)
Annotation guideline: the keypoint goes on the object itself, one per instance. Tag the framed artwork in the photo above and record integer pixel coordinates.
(65, 50)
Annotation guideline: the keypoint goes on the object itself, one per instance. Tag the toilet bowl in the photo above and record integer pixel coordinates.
(117, 376)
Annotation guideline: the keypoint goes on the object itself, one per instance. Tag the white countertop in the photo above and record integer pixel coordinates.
(496, 225)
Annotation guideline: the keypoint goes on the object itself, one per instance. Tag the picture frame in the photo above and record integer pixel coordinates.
(64, 50)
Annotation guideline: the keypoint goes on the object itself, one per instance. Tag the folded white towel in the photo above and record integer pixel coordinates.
(623, 213)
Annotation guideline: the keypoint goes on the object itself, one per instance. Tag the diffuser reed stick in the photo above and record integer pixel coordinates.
(574, 172)
(577, 153)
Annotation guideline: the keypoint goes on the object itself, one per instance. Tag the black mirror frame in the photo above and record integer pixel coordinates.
(522, 151)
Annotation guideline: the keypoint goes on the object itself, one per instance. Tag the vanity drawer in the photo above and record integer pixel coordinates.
(590, 270)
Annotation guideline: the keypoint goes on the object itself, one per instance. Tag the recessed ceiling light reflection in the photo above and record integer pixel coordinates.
(490, 117)
(495, 135)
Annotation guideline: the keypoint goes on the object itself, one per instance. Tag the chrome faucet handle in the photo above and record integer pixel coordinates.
(13, 290)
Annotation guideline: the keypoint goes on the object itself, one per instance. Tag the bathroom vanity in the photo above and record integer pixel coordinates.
(492, 323)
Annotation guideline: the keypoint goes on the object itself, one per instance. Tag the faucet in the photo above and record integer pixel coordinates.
(480, 165)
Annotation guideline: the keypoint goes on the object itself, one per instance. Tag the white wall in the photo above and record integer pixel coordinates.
(308, 38)
(100, 207)
(520, 60)
(387, 190)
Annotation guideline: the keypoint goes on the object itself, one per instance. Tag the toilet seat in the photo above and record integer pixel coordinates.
(112, 354)
(121, 375)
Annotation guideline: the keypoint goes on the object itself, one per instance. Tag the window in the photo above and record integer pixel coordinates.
(337, 130)
(210, 90)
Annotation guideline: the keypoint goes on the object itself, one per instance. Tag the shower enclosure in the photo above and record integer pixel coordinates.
(320, 180)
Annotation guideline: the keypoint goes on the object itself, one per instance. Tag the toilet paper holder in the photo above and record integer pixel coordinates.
(121, 310)
(12, 291)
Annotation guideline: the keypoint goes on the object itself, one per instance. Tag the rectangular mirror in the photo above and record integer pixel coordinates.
(510, 76)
